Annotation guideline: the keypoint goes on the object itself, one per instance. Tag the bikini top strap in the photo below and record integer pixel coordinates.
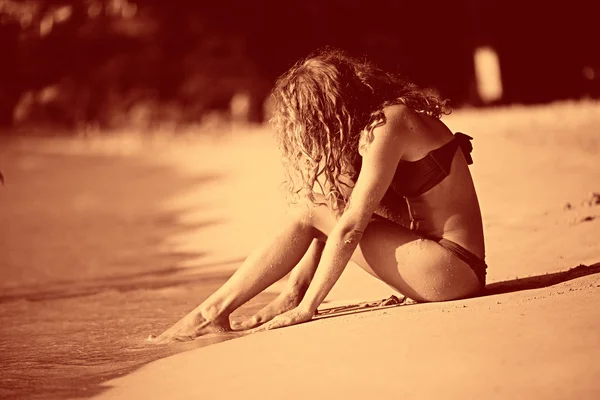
(464, 142)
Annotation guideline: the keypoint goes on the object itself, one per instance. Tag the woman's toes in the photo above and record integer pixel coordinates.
(248, 323)
(284, 302)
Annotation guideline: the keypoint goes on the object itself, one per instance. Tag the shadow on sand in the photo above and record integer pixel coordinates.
(493, 289)
(540, 281)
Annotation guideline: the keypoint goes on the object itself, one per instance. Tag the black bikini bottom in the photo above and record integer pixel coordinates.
(477, 264)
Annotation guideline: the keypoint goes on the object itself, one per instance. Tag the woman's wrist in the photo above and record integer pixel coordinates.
(307, 307)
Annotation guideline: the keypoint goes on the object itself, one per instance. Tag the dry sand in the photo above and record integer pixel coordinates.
(535, 334)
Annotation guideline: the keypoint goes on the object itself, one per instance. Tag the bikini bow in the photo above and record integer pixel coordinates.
(464, 142)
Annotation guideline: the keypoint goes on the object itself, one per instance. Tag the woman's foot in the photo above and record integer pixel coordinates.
(284, 302)
(190, 327)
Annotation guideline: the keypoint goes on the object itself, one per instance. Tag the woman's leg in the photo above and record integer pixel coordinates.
(415, 267)
(418, 268)
(294, 291)
(392, 208)
(263, 267)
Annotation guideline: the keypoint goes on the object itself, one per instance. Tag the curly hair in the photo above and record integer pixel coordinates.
(321, 107)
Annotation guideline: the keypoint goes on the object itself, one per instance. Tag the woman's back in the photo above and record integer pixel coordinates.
(449, 209)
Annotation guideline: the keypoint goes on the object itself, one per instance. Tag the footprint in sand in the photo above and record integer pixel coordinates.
(592, 200)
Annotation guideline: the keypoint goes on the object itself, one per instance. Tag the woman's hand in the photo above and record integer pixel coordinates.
(292, 317)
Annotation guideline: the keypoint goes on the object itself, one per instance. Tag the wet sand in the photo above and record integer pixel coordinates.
(89, 264)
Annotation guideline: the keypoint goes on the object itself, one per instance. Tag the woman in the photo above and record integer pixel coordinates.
(375, 178)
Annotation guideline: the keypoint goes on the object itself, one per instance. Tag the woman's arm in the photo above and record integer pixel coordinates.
(378, 168)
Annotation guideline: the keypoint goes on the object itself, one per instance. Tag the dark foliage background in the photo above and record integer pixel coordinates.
(109, 62)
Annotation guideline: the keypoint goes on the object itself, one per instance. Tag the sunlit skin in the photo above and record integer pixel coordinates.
(316, 243)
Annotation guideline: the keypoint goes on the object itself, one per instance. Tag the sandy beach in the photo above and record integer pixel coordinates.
(534, 334)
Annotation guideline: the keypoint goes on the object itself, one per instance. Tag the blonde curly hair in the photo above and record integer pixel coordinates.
(322, 105)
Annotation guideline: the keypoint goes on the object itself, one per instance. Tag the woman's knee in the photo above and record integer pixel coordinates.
(300, 214)
(316, 216)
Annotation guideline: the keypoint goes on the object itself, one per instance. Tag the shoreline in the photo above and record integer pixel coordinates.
(419, 351)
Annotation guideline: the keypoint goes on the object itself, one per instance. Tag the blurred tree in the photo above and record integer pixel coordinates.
(111, 62)
(76, 45)
(545, 48)
(13, 15)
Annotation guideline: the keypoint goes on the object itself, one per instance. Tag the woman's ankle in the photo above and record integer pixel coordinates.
(212, 313)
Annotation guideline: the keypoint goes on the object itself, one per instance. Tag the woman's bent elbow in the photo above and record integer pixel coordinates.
(350, 236)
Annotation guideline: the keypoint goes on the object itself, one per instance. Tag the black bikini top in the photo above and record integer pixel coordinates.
(414, 178)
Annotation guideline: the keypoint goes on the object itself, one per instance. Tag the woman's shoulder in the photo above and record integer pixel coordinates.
(418, 132)
(415, 126)
(399, 120)
(400, 123)
(400, 116)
